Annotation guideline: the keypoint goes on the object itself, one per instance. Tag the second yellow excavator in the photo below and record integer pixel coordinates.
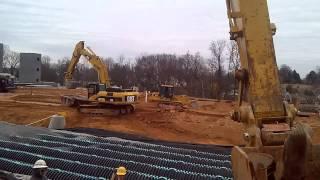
(102, 97)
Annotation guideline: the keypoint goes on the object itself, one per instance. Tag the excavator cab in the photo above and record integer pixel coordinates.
(166, 91)
(94, 88)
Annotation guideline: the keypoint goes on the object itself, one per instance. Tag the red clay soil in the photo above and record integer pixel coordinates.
(178, 126)
(208, 123)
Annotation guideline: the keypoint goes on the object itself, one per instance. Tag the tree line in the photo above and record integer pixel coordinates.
(290, 76)
(191, 74)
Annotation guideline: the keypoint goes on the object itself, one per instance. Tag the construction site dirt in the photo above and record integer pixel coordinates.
(207, 123)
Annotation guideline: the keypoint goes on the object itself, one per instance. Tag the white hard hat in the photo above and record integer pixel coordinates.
(40, 164)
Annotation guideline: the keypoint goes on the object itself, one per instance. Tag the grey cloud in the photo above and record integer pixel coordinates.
(132, 27)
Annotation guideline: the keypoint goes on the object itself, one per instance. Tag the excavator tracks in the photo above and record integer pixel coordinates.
(106, 109)
(83, 105)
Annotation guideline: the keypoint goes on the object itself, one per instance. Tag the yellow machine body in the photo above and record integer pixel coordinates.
(167, 100)
(260, 102)
(271, 137)
(100, 95)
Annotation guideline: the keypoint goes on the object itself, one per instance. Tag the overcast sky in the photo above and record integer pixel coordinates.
(133, 27)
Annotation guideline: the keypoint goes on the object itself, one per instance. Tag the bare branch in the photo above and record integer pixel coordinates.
(234, 56)
(217, 49)
(11, 59)
(45, 60)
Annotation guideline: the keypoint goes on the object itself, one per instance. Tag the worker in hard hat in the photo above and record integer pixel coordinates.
(39, 170)
(119, 174)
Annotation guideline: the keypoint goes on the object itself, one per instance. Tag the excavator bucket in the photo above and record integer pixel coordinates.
(297, 159)
(252, 165)
(242, 167)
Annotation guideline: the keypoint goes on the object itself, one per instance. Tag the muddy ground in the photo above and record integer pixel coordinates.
(208, 123)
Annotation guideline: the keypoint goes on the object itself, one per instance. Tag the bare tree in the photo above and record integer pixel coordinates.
(46, 60)
(109, 62)
(48, 73)
(61, 68)
(6, 51)
(234, 56)
(11, 59)
(217, 49)
(121, 59)
(234, 63)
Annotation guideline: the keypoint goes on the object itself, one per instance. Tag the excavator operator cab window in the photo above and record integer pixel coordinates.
(93, 88)
(102, 87)
(166, 91)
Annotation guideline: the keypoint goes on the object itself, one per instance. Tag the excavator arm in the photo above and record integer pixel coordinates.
(260, 104)
(102, 98)
(276, 148)
(93, 59)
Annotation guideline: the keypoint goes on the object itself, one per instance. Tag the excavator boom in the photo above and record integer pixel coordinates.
(260, 102)
(102, 98)
(275, 149)
(93, 59)
(251, 28)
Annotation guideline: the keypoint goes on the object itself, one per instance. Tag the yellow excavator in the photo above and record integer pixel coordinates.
(276, 146)
(102, 97)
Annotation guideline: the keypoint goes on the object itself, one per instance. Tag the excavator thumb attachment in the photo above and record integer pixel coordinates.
(242, 167)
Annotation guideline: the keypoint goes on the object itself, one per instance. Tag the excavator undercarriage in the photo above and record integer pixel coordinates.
(86, 106)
